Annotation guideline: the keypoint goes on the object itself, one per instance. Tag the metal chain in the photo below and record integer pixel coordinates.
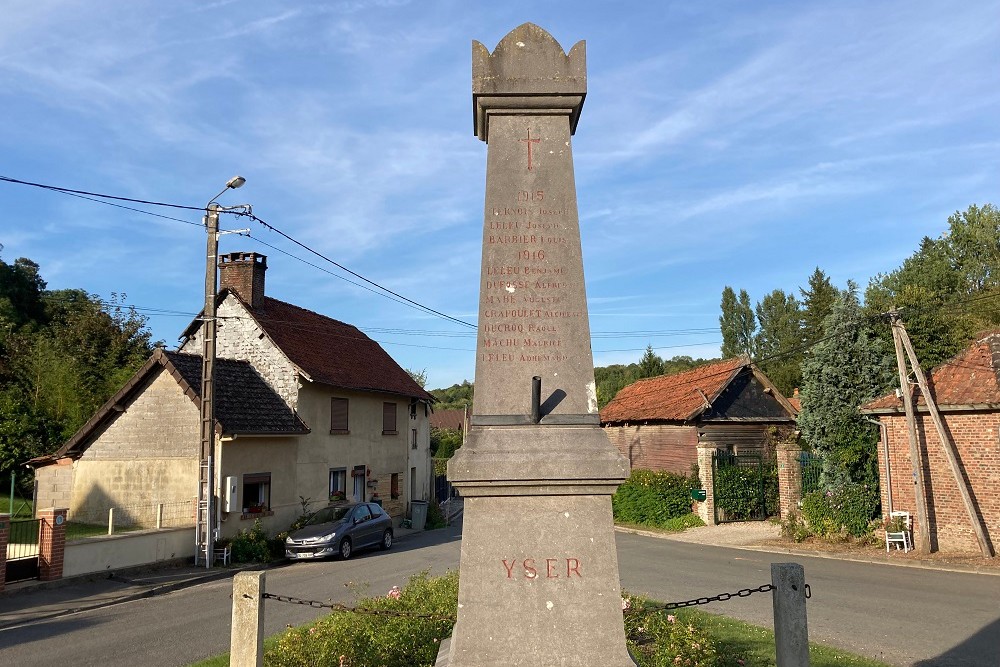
(336, 606)
(721, 597)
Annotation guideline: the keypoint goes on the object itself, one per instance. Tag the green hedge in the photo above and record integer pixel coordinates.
(653, 498)
(849, 509)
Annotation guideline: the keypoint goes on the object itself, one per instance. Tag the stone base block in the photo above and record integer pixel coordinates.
(539, 584)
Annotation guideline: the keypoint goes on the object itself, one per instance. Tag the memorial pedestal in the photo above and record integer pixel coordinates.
(538, 581)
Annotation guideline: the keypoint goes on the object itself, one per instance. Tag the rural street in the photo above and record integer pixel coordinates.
(905, 616)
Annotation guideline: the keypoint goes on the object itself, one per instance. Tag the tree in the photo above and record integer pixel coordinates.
(420, 377)
(737, 323)
(62, 354)
(455, 397)
(444, 442)
(973, 242)
(651, 364)
(817, 304)
(778, 340)
(847, 368)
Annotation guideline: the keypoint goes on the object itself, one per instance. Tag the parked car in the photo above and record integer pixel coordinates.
(340, 530)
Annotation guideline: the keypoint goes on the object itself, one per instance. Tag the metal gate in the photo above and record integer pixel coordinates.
(811, 466)
(739, 487)
(22, 550)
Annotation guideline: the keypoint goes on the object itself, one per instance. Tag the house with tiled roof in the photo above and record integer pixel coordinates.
(306, 407)
(658, 422)
(453, 420)
(966, 390)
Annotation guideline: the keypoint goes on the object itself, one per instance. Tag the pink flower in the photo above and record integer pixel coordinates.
(671, 618)
(626, 604)
(740, 662)
(395, 593)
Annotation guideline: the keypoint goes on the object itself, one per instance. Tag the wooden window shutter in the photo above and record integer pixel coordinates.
(338, 415)
(388, 419)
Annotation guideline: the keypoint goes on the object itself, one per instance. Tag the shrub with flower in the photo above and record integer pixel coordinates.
(657, 639)
(357, 639)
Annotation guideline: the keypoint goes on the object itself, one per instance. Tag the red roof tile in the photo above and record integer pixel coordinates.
(672, 397)
(453, 419)
(796, 401)
(971, 378)
(333, 352)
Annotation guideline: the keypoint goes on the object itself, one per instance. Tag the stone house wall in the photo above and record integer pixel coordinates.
(977, 439)
(147, 455)
(239, 337)
(300, 466)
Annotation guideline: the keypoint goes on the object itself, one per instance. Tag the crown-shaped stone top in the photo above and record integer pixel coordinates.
(529, 60)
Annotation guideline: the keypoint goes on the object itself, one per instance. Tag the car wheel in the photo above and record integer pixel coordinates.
(386, 540)
(346, 548)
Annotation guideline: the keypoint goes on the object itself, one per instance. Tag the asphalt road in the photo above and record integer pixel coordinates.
(904, 616)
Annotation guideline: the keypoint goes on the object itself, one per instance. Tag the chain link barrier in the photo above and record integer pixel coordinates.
(669, 606)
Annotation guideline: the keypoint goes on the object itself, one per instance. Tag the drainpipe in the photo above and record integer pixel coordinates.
(884, 437)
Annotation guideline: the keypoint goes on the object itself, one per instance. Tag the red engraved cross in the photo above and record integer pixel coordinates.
(529, 141)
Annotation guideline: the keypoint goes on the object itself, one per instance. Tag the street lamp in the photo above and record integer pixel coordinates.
(204, 531)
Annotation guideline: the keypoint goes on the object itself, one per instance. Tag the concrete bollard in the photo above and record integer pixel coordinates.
(246, 642)
(111, 521)
(791, 636)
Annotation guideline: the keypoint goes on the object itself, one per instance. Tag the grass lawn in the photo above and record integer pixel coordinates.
(735, 641)
(21, 508)
(755, 645)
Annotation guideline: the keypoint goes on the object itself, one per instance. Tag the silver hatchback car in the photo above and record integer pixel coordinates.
(339, 530)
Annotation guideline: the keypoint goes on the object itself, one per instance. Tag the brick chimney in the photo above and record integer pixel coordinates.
(243, 273)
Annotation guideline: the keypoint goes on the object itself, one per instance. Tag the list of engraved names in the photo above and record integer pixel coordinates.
(525, 299)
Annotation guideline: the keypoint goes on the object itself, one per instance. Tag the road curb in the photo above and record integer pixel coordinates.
(921, 565)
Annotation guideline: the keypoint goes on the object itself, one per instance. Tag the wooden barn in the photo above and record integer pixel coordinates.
(658, 422)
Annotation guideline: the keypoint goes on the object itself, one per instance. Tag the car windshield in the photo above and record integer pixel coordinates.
(328, 515)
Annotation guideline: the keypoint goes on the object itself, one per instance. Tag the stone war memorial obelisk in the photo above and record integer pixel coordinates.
(539, 580)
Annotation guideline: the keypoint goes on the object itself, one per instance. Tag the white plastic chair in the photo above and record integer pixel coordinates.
(903, 538)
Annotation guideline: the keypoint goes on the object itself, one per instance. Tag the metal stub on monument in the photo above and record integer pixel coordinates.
(536, 470)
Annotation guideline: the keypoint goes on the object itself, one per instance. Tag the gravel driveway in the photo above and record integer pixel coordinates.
(750, 533)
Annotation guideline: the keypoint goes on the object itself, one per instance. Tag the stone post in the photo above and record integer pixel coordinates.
(706, 508)
(539, 582)
(789, 478)
(791, 633)
(51, 543)
(4, 538)
(246, 639)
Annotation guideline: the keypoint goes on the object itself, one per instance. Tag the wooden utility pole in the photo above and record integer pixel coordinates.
(916, 462)
(947, 444)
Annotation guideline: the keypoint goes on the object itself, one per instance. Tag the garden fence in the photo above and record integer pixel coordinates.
(119, 518)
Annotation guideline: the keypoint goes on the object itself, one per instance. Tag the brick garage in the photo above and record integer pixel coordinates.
(967, 392)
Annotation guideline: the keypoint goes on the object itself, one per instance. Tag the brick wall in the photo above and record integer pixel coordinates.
(789, 478)
(4, 535)
(977, 439)
(51, 543)
(657, 447)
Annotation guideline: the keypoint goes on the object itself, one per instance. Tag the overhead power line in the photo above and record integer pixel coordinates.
(70, 191)
(340, 266)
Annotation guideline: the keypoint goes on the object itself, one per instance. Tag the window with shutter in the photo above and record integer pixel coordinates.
(338, 415)
(389, 419)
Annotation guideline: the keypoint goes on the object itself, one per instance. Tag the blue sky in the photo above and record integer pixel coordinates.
(721, 143)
